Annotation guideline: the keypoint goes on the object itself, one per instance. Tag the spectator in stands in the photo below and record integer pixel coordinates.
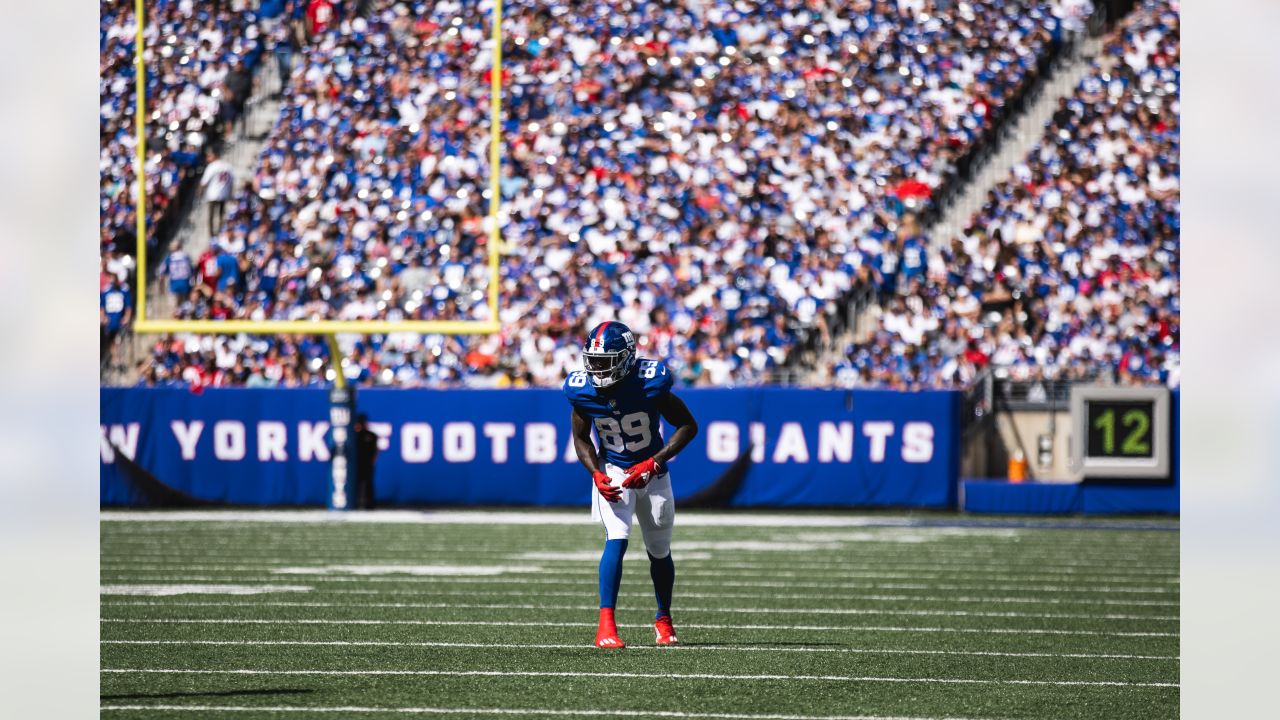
(217, 184)
(115, 313)
(177, 269)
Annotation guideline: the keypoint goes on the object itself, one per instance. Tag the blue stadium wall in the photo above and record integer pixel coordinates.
(799, 447)
(982, 495)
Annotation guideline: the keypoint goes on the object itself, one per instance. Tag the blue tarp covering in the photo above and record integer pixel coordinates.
(1028, 498)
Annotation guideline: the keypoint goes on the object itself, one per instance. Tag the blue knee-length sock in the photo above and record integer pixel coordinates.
(611, 571)
(663, 572)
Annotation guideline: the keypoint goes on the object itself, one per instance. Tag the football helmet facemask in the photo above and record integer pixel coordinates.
(609, 353)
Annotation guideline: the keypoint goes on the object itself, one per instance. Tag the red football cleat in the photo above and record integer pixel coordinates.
(665, 630)
(607, 632)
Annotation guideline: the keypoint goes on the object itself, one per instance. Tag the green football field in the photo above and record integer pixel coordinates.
(782, 616)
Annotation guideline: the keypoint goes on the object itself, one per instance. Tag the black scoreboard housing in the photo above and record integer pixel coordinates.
(1120, 432)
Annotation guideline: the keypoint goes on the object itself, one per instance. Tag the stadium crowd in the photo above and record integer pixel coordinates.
(721, 175)
(1070, 270)
(199, 59)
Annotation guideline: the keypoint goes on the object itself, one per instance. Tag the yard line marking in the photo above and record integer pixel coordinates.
(797, 570)
(431, 592)
(700, 626)
(641, 675)
(499, 542)
(126, 559)
(764, 610)
(677, 648)
(587, 573)
(181, 589)
(509, 711)
(782, 596)
(1076, 555)
(687, 518)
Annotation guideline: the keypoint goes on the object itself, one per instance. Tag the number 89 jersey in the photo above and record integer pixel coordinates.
(626, 413)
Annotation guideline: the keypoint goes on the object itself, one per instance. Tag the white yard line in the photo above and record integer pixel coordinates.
(580, 594)
(559, 623)
(696, 566)
(349, 709)
(693, 609)
(946, 551)
(174, 560)
(678, 648)
(948, 599)
(949, 551)
(167, 590)
(585, 574)
(639, 675)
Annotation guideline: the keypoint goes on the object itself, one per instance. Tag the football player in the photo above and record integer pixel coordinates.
(623, 397)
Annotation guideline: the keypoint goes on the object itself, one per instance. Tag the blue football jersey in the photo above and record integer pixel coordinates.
(626, 414)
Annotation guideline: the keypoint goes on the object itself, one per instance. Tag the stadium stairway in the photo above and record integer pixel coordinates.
(241, 150)
(1013, 143)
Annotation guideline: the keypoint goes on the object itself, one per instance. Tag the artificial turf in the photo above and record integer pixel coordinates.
(494, 619)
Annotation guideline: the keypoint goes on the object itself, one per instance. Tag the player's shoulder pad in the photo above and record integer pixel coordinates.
(656, 376)
(577, 387)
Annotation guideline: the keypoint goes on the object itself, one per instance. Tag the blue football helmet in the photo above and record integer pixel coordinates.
(609, 353)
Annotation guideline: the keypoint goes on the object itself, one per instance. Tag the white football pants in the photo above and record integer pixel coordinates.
(653, 504)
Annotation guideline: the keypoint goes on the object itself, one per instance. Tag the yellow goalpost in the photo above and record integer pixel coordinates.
(142, 324)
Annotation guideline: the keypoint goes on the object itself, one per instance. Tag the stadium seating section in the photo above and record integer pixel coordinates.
(199, 59)
(722, 179)
(1070, 269)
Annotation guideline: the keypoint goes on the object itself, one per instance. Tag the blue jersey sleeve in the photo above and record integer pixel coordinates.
(657, 378)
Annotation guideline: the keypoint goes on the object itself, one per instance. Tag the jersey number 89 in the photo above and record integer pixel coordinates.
(632, 433)
(649, 369)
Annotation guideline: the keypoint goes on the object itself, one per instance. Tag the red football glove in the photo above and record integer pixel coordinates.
(641, 473)
(607, 491)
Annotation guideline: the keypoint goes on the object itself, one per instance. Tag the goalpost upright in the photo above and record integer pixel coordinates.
(321, 327)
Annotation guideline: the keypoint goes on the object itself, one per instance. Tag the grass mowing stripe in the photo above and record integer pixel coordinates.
(995, 599)
(1050, 572)
(677, 648)
(1000, 581)
(848, 558)
(697, 626)
(735, 610)
(717, 566)
(586, 575)
(557, 565)
(638, 675)
(1024, 549)
(960, 556)
(348, 709)
(911, 553)
(980, 549)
